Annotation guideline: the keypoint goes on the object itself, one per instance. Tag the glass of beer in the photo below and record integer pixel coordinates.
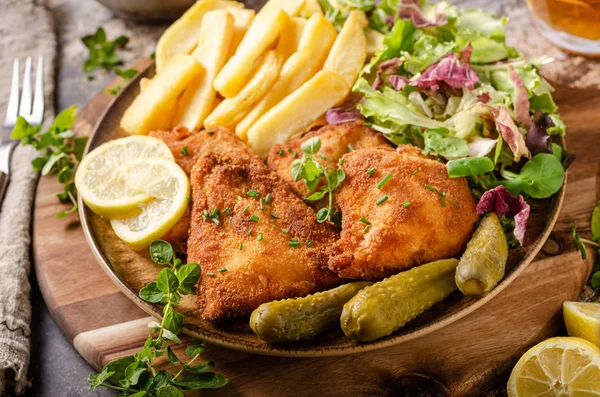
(573, 25)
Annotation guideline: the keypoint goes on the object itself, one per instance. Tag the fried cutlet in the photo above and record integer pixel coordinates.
(419, 215)
(336, 140)
(255, 239)
(187, 146)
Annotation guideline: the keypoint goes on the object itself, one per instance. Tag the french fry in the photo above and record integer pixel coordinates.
(242, 18)
(310, 8)
(182, 36)
(298, 111)
(349, 52)
(231, 110)
(290, 37)
(214, 41)
(262, 33)
(150, 109)
(374, 42)
(319, 35)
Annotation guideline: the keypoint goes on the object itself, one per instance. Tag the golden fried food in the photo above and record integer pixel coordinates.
(415, 215)
(250, 255)
(196, 144)
(336, 140)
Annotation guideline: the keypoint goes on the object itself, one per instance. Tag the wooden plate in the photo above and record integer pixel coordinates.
(131, 270)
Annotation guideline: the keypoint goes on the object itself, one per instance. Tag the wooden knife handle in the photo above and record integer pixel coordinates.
(3, 186)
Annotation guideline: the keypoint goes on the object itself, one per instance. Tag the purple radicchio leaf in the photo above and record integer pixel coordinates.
(342, 115)
(510, 133)
(411, 9)
(538, 140)
(484, 98)
(391, 64)
(465, 54)
(448, 70)
(521, 104)
(398, 82)
(501, 202)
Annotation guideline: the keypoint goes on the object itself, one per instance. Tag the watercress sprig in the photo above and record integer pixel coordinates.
(60, 150)
(138, 375)
(312, 171)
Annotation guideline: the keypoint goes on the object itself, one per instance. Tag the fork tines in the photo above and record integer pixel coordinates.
(32, 111)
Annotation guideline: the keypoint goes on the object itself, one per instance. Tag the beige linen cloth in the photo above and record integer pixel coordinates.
(26, 29)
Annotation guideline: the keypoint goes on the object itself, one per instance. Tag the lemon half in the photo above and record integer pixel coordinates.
(98, 183)
(167, 185)
(561, 367)
(583, 320)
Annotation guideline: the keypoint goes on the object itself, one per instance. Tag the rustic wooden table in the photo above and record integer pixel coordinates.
(57, 369)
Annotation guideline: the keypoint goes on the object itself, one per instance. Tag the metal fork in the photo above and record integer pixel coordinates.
(33, 114)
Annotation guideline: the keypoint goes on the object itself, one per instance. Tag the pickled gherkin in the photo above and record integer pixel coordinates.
(302, 318)
(484, 261)
(382, 308)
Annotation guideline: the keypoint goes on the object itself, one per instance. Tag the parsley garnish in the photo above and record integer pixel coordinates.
(312, 172)
(60, 150)
(184, 151)
(138, 373)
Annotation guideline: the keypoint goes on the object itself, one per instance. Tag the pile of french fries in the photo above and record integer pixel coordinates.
(268, 76)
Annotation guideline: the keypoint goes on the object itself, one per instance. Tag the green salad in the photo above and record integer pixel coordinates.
(445, 80)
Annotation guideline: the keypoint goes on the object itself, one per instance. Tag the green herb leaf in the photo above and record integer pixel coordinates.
(316, 196)
(595, 224)
(166, 281)
(168, 391)
(312, 145)
(579, 245)
(206, 380)
(207, 366)
(470, 166)
(193, 350)
(595, 280)
(161, 252)
(134, 371)
(188, 276)
(150, 293)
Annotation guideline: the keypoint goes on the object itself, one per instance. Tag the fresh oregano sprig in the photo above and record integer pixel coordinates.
(60, 150)
(138, 375)
(312, 171)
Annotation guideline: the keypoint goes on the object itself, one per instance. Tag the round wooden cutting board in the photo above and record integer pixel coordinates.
(463, 358)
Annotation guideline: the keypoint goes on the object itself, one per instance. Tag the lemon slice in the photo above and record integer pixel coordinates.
(95, 176)
(169, 187)
(583, 320)
(562, 367)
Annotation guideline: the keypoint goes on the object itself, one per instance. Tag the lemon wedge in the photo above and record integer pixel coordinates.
(562, 367)
(95, 177)
(169, 188)
(583, 320)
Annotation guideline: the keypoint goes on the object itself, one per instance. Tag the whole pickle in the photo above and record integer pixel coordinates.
(484, 261)
(382, 308)
(302, 318)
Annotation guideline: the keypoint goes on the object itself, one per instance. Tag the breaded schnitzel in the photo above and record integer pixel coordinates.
(254, 238)
(415, 215)
(336, 140)
(187, 147)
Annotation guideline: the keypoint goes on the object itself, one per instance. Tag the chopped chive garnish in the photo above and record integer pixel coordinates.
(285, 231)
(368, 125)
(441, 194)
(415, 172)
(211, 274)
(245, 209)
(268, 198)
(227, 211)
(309, 243)
(371, 171)
(260, 237)
(366, 229)
(454, 203)
(210, 132)
(280, 152)
(241, 246)
(385, 180)
(189, 200)
(363, 220)
(406, 203)
(350, 147)
(238, 197)
(274, 216)
(252, 193)
(289, 149)
(249, 232)
(254, 218)
(382, 200)
(261, 203)
(342, 161)
(295, 155)
(222, 270)
(293, 243)
(184, 151)
(322, 157)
